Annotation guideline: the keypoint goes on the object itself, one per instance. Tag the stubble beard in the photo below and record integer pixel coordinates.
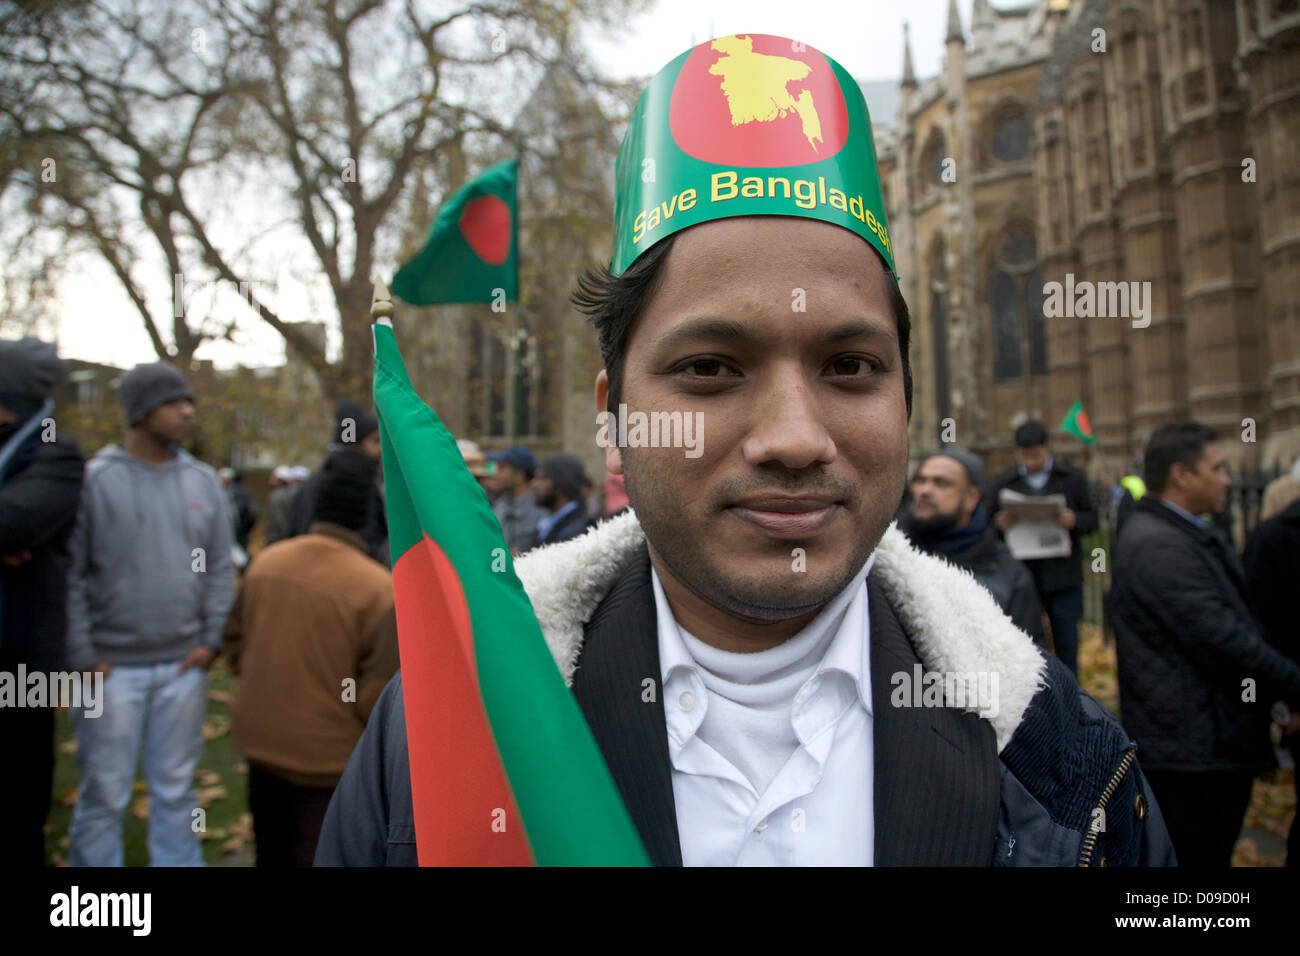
(780, 595)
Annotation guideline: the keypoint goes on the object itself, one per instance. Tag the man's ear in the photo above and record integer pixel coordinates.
(607, 426)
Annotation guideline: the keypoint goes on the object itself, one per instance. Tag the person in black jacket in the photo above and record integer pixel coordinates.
(356, 429)
(558, 487)
(243, 506)
(947, 518)
(40, 487)
(1194, 667)
(1059, 580)
(1272, 564)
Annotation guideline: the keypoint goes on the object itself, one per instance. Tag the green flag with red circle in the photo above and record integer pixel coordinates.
(1077, 424)
(472, 253)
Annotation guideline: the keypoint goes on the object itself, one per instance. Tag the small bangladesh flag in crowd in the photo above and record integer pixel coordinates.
(504, 770)
(473, 246)
(1077, 424)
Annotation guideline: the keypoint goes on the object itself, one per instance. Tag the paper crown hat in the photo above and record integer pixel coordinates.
(747, 125)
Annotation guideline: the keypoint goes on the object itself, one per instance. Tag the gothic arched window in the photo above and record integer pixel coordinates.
(932, 162)
(1016, 300)
(939, 327)
(1010, 140)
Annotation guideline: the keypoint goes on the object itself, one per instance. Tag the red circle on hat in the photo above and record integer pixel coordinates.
(485, 224)
(758, 100)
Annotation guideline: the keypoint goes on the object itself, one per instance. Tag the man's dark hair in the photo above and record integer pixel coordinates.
(1030, 435)
(1172, 443)
(613, 303)
(346, 489)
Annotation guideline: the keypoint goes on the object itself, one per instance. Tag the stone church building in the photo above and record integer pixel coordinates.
(1153, 143)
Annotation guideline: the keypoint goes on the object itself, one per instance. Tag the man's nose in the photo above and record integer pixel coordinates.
(787, 423)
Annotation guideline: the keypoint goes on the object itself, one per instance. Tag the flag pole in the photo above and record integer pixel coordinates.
(381, 305)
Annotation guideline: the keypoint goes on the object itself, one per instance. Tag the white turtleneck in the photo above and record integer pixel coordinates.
(772, 751)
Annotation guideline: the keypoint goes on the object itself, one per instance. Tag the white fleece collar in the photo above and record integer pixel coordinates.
(954, 623)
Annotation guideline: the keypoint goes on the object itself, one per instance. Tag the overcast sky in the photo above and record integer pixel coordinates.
(99, 324)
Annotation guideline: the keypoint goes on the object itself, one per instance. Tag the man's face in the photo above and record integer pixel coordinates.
(1034, 458)
(1206, 486)
(543, 489)
(504, 479)
(372, 446)
(804, 442)
(171, 421)
(942, 492)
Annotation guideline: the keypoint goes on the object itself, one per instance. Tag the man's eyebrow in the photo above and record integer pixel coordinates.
(704, 328)
(861, 327)
(731, 330)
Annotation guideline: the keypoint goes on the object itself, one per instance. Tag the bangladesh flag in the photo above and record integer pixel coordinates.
(1077, 424)
(504, 770)
(473, 246)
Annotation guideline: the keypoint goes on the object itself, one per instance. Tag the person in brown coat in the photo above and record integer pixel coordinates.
(304, 639)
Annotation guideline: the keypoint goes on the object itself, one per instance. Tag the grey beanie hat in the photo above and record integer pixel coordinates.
(29, 371)
(146, 387)
(967, 459)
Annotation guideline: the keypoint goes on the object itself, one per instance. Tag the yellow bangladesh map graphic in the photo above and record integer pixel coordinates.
(755, 85)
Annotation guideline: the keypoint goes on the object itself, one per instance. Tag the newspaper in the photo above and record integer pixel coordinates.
(1037, 533)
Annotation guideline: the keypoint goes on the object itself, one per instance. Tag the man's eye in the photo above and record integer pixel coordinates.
(703, 368)
(852, 365)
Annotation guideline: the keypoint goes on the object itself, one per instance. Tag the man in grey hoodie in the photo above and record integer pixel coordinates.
(150, 585)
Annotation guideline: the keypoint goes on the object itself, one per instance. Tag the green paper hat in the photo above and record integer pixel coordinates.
(747, 125)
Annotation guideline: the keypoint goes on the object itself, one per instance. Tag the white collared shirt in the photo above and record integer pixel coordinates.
(1038, 479)
(773, 763)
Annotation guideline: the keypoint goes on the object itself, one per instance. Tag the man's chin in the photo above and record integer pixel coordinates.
(768, 596)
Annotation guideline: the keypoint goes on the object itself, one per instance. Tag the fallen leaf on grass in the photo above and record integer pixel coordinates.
(140, 808)
(209, 795)
(68, 746)
(207, 778)
(216, 727)
(222, 697)
(68, 798)
(233, 845)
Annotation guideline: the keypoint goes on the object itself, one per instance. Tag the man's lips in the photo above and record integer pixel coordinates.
(786, 516)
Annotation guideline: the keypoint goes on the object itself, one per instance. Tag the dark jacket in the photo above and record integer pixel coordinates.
(243, 512)
(1187, 643)
(570, 526)
(278, 516)
(38, 510)
(375, 531)
(1007, 579)
(1272, 565)
(944, 795)
(1052, 575)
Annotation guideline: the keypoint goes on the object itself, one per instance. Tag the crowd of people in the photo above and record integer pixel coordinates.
(1207, 654)
(135, 565)
(129, 566)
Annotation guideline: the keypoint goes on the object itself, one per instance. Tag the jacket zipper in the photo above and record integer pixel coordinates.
(1090, 840)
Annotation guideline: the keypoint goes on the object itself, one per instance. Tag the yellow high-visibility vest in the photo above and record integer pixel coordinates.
(1135, 485)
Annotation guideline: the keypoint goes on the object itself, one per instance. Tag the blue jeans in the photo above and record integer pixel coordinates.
(1064, 611)
(165, 710)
